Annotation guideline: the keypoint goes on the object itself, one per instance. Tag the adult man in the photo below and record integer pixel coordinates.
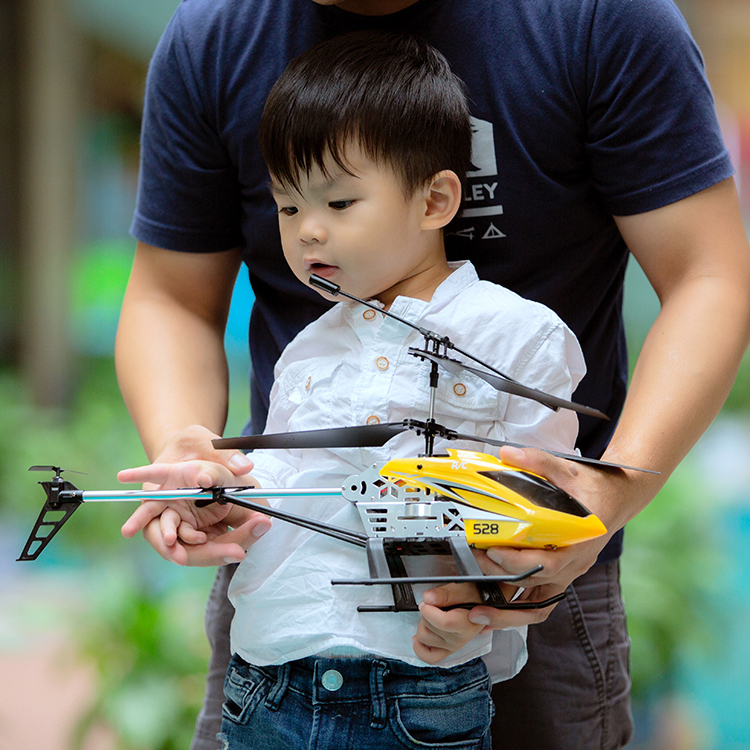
(595, 134)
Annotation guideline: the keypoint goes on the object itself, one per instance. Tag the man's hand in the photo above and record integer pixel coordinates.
(603, 491)
(178, 530)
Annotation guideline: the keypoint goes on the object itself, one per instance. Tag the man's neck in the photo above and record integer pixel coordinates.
(374, 7)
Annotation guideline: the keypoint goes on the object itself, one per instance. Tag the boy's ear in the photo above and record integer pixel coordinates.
(442, 199)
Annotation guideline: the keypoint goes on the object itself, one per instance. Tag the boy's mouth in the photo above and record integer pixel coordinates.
(320, 269)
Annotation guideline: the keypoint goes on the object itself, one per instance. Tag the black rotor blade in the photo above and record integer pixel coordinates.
(55, 469)
(361, 436)
(569, 456)
(510, 386)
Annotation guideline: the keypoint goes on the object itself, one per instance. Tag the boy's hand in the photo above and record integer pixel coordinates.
(184, 513)
(491, 618)
(178, 530)
(442, 633)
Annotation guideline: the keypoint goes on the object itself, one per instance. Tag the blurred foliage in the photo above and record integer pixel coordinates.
(141, 625)
(94, 436)
(148, 646)
(739, 397)
(670, 566)
(100, 275)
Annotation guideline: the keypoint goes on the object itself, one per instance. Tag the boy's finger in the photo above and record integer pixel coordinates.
(428, 654)
(169, 522)
(497, 561)
(499, 619)
(453, 593)
(190, 535)
(173, 553)
(248, 533)
(454, 621)
(428, 635)
(210, 554)
(238, 463)
(141, 517)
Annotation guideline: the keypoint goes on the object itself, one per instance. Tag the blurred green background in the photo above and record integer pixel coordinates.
(100, 636)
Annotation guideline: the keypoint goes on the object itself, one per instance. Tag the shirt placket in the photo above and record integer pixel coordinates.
(381, 343)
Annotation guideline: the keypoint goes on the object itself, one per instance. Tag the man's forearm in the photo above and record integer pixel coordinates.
(169, 353)
(696, 256)
(683, 375)
(172, 372)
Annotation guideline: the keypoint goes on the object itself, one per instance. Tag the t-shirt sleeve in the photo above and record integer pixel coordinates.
(188, 193)
(555, 365)
(650, 116)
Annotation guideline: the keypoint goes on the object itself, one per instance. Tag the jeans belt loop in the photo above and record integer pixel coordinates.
(378, 671)
(276, 694)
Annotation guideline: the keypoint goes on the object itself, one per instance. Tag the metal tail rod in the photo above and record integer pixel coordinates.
(64, 498)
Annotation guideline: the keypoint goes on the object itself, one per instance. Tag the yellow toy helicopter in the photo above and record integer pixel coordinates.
(426, 505)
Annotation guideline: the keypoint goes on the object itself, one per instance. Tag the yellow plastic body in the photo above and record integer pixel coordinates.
(516, 508)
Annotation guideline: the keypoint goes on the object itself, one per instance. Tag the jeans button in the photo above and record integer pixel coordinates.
(332, 680)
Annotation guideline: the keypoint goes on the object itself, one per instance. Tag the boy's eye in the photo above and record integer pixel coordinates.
(288, 210)
(340, 205)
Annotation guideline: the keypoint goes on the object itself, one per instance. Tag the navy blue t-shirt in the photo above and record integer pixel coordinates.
(583, 109)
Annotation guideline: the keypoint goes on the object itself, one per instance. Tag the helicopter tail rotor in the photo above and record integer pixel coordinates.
(63, 498)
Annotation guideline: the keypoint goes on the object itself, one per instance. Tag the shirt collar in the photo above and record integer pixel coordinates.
(463, 274)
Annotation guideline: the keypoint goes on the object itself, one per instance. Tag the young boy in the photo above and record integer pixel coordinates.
(367, 139)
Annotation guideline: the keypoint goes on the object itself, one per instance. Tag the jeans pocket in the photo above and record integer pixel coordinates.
(456, 720)
(244, 689)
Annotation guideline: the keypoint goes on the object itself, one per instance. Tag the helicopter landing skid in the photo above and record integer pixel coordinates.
(386, 566)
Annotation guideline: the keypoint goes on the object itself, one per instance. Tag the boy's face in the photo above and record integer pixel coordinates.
(360, 231)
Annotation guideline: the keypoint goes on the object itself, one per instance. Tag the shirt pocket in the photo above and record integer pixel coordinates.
(467, 398)
(308, 388)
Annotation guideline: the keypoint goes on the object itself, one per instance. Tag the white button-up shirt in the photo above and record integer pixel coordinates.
(352, 367)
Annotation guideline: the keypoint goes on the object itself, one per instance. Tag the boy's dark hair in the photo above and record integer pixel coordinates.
(393, 94)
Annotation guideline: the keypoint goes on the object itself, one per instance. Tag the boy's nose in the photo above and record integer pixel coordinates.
(311, 230)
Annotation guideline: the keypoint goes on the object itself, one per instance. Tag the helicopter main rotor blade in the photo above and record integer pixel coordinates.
(361, 436)
(509, 386)
(569, 456)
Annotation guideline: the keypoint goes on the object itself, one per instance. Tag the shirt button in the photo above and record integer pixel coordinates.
(382, 363)
(459, 389)
(372, 419)
(332, 680)
(369, 314)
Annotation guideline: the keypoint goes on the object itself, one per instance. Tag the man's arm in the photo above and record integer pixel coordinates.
(169, 354)
(173, 375)
(695, 254)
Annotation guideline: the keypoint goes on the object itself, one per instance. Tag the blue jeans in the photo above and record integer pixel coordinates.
(573, 694)
(356, 704)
